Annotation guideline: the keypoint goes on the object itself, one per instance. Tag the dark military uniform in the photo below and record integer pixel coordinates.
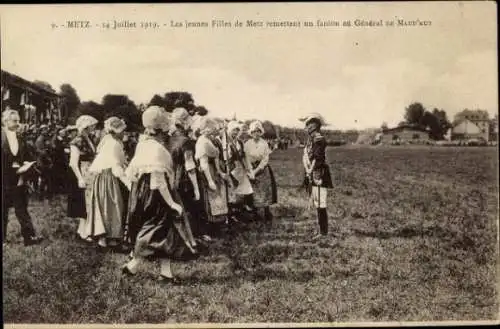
(315, 150)
(320, 179)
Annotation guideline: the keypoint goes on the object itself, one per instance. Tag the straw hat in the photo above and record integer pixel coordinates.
(314, 116)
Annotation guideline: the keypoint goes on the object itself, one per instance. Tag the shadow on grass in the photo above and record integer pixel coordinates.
(240, 275)
(405, 232)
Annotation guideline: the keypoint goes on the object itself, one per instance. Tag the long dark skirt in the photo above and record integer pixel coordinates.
(194, 212)
(214, 202)
(76, 197)
(265, 191)
(153, 227)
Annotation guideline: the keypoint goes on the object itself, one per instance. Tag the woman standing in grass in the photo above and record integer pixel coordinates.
(110, 188)
(155, 224)
(212, 182)
(257, 152)
(240, 191)
(182, 149)
(81, 150)
(317, 170)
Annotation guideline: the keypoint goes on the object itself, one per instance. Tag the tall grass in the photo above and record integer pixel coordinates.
(414, 238)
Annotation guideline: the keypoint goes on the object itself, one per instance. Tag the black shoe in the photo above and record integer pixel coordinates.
(167, 280)
(33, 240)
(102, 249)
(121, 249)
(269, 217)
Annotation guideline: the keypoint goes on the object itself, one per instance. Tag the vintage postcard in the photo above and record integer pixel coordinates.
(250, 164)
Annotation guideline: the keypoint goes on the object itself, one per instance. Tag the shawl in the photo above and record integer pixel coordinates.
(151, 157)
(110, 154)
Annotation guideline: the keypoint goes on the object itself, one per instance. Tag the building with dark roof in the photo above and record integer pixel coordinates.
(404, 134)
(35, 102)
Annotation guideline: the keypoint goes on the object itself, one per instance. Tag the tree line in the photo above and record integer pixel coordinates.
(436, 121)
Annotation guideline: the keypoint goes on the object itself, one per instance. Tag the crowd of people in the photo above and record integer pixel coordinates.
(164, 193)
(48, 144)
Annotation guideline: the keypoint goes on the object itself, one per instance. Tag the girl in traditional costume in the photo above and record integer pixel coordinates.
(155, 223)
(182, 149)
(257, 152)
(317, 170)
(81, 150)
(109, 194)
(212, 181)
(240, 191)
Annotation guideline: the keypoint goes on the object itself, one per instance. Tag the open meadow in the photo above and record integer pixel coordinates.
(413, 237)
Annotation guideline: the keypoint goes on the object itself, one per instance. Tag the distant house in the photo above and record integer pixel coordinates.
(473, 126)
(405, 133)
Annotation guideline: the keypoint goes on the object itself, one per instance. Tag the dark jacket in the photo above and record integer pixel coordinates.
(316, 151)
(9, 176)
(180, 146)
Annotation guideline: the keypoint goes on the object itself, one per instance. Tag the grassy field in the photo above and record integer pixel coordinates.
(415, 239)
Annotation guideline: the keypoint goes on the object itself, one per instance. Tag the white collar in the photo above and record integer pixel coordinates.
(10, 132)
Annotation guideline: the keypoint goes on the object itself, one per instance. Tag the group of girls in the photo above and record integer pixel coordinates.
(189, 176)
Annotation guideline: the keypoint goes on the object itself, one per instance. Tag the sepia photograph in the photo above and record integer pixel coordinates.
(248, 164)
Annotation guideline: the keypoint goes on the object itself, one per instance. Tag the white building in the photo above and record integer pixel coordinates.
(466, 129)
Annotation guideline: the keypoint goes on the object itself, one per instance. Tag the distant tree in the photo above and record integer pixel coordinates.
(130, 114)
(269, 130)
(175, 99)
(45, 85)
(201, 110)
(191, 108)
(430, 121)
(110, 102)
(444, 123)
(70, 102)
(91, 108)
(156, 100)
(414, 113)
(384, 126)
(121, 106)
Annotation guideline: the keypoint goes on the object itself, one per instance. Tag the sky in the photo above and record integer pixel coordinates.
(356, 77)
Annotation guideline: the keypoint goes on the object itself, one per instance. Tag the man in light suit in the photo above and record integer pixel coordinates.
(15, 193)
